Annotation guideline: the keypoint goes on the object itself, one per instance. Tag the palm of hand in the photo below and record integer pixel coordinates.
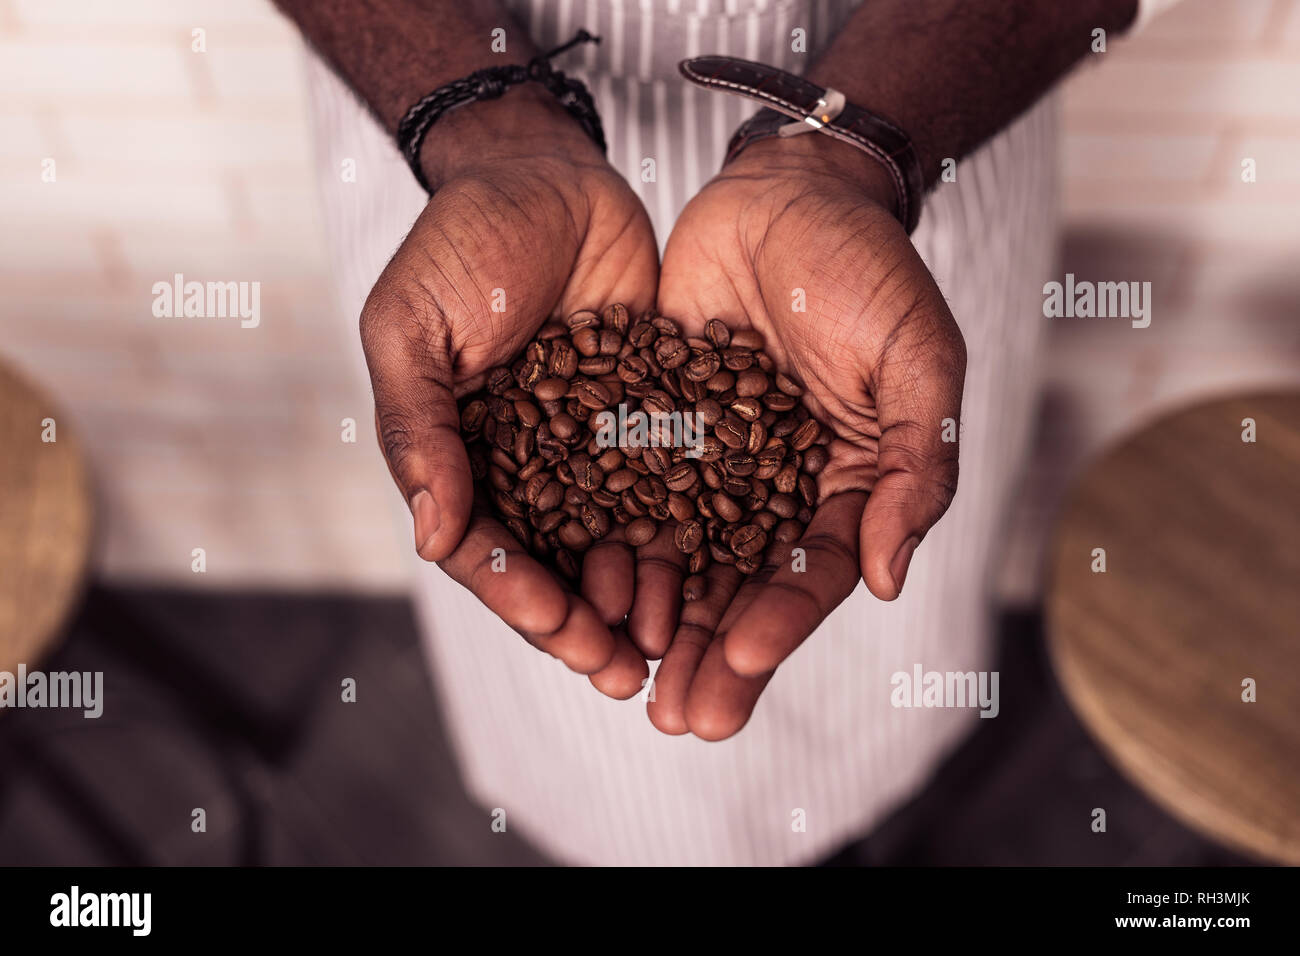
(846, 305)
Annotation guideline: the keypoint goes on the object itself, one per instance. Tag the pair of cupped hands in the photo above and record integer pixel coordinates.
(794, 238)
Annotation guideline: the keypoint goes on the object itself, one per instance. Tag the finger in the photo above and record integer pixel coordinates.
(721, 701)
(626, 673)
(418, 423)
(699, 621)
(492, 564)
(660, 568)
(608, 577)
(783, 611)
(918, 396)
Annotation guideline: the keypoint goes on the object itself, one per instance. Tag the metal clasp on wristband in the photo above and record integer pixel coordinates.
(828, 107)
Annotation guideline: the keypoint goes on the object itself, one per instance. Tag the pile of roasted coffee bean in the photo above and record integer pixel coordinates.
(734, 469)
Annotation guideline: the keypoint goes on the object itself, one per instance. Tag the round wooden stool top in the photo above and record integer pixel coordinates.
(1200, 596)
(45, 521)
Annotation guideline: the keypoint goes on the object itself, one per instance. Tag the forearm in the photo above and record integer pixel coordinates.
(952, 73)
(393, 52)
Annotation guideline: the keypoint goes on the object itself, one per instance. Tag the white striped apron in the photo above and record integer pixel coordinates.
(588, 779)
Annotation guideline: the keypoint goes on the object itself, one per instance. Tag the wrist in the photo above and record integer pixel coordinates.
(526, 122)
(818, 155)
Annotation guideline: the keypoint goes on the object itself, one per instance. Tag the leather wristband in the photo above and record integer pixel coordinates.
(811, 107)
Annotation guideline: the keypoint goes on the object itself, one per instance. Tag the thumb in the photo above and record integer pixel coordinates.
(418, 426)
(917, 466)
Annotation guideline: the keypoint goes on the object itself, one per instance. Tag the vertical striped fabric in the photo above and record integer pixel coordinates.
(586, 778)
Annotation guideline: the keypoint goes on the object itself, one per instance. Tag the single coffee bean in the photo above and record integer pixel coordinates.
(735, 486)
(748, 540)
(500, 480)
(507, 505)
(501, 410)
(747, 339)
(530, 374)
(593, 395)
(725, 507)
(708, 411)
(473, 415)
(779, 402)
(528, 413)
(805, 435)
(786, 479)
(732, 433)
(499, 379)
(748, 409)
(564, 427)
(717, 332)
(523, 445)
(632, 504)
(575, 496)
(808, 490)
(756, 497)
(788, 385)
(650, 490)
(605, 499)
(698, 561)
(519, 530)
(757, 438)
(587, 342)
(586, 473)
(550, 520)
(595, 519)
(550, 496)
(640, 532)
(721, 553)
(680, 506)
(616, 317)
(597, 366)
(815, 459)
(671, 351)
(737, 359)
(688, 536)
(680, 476)
(633, 368)
(695, 587)
(642, 334)
(767, 521)
(582, 319)
(575, 536)
(533, 488)
(751, 383)
(503, 461)
(610, 460)
(782, 505)
(721, 383)
(620, 480)
(703, 367)
(749, 565)
(740, 463)
(666, 325)
(657, 460)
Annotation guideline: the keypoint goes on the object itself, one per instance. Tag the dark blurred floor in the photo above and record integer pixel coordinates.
(232, 703)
